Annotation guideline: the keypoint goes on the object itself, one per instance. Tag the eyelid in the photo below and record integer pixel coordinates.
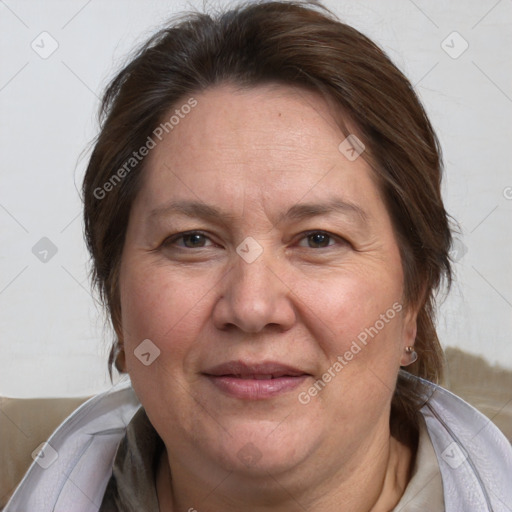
(337, 238)
(301, 236)
(177, 236)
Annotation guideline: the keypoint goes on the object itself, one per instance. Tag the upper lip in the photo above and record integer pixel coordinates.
(250, 370)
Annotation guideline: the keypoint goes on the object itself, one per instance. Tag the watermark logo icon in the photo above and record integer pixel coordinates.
(249, 454)
(351, 147)
(250, 250)
(44, 250)
(45, 455)
(453, 455)
(146, 352)
(454, 45)
(457, 250)
(44, 45)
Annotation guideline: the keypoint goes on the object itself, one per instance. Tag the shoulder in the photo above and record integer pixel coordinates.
(75, 464)
(474, 456)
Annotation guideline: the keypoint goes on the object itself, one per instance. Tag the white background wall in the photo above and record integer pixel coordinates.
(51, 332)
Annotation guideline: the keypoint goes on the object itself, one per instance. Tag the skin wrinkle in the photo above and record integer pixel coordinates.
(305, 317)
(161, 220)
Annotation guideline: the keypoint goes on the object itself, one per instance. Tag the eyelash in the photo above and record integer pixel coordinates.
(174, 238)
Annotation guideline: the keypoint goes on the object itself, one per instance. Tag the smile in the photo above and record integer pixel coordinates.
(258, 381)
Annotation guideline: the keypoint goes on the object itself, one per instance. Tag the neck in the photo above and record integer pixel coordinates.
(385, 473)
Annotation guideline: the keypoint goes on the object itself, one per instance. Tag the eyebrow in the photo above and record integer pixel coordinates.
(297, 212)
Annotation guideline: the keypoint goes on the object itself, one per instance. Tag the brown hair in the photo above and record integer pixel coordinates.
(300, 44)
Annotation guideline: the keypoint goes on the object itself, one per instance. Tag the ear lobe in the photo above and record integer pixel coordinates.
(409, 357)
(120, 357)
(410, 327)
(119, 354)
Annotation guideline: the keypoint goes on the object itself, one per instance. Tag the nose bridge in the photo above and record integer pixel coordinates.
(253, 296)
(255, 278)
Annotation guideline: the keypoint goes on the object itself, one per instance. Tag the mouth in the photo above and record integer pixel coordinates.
(255, 381)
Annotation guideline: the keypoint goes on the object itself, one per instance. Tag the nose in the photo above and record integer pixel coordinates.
(254, 296)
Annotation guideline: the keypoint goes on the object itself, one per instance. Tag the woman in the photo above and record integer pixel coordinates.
(264, 213)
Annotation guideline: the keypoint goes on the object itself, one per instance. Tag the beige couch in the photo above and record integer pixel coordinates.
(26, 423)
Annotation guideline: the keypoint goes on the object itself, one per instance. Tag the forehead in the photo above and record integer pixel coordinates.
(269, 145)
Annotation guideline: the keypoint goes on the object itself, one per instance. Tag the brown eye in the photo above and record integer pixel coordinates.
(319, 240)
(194, 240)
(191, 240)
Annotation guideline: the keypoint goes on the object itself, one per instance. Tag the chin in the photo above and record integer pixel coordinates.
(260, 448)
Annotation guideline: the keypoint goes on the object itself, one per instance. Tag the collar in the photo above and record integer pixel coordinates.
(131, 487)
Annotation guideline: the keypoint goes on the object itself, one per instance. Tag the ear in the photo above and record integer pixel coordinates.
(120, 358)
(408, 352)
(410, 326)
(119, 353)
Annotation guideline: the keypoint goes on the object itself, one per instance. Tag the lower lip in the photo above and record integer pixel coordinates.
(253, 389)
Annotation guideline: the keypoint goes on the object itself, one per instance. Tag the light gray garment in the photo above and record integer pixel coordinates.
(425, 489)
(474, 457)
(132, 485)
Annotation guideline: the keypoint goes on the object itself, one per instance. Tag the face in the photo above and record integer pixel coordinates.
(288, 268)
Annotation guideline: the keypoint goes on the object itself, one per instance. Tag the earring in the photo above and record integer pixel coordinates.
(411, 356)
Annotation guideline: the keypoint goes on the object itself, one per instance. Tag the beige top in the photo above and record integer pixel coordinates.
(425, 489)
(132, 485)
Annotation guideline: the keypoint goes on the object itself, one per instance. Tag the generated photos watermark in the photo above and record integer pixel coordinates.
(143, 151)
(343, 360)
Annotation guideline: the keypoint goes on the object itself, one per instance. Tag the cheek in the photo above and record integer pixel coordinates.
(361, 321)
(167, 308)
(356, 305)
